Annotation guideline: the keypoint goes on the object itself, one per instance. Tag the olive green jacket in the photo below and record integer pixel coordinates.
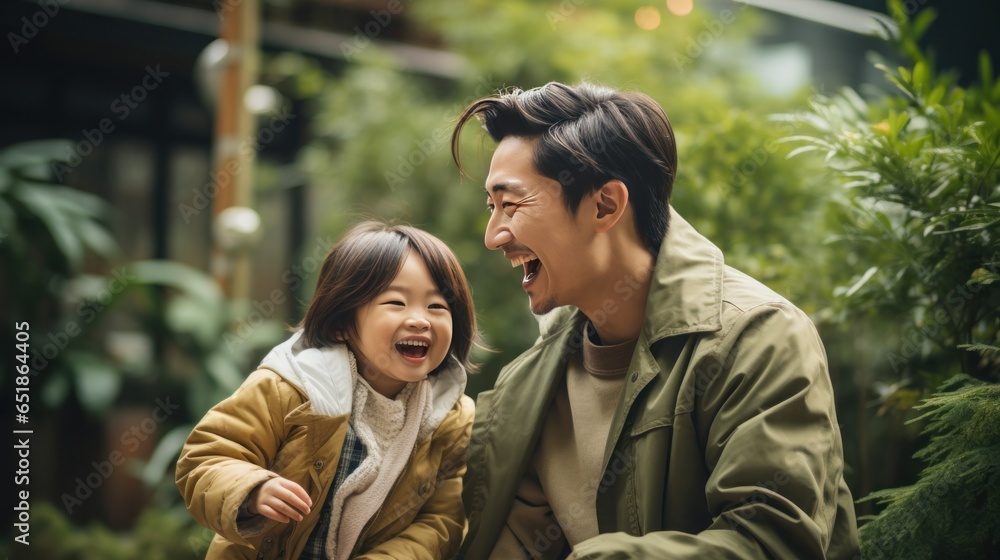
(725, 441)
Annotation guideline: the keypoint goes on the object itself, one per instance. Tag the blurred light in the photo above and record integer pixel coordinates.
(781, 69)
(260, 99)
(208, 70)
(680, 7)
(647, 17)
(237, 227)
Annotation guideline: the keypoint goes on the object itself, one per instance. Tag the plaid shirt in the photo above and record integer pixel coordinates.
(352, 454)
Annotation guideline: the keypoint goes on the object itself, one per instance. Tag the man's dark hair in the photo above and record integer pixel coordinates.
(589, 135)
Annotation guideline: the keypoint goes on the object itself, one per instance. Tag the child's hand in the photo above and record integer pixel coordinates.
(279, 499)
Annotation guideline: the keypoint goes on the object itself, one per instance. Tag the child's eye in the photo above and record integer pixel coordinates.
(394, 302)
(438, 306)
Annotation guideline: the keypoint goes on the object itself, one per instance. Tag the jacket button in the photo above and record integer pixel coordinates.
(318, 465)
(422, 489)
(635, 375)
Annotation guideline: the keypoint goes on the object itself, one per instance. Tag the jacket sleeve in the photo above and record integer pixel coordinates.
(228, 452)
(764, 413)
(436, 532)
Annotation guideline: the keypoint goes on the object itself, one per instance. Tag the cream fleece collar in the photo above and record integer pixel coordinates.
(324, 375)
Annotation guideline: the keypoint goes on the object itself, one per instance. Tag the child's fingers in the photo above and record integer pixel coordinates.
(284, 508)
(280, 499)
(298, 492)
(270, 513)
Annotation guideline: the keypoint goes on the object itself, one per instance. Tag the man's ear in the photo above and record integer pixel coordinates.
(611, 199)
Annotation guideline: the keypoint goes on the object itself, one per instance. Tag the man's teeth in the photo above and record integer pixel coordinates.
(412, 343)
(518, 261)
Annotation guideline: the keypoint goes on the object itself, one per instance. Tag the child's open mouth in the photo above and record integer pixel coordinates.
(413, 349)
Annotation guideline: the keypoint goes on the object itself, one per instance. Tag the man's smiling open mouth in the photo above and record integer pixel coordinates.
(531, 267)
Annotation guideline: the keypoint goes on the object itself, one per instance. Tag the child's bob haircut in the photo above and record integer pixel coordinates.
(363, 264)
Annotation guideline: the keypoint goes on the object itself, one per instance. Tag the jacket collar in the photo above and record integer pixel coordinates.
(685, 294)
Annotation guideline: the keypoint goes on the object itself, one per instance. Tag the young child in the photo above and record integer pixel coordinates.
(349, 441)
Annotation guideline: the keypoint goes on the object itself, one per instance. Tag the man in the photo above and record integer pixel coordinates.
(673, 407)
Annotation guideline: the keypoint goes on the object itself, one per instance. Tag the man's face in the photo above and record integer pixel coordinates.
(531, 224)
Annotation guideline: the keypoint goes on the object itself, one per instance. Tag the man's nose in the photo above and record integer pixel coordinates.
(497, 234)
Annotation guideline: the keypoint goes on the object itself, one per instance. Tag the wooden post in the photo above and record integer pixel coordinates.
(234, 135)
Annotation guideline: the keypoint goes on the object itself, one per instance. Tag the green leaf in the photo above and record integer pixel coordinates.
(98, 239)
(884, 220)
(982, 348)
(897, 11)
(861, 281)
(35, 152)
(801, 150)
(224, 371)
(920, 76)
(188, 280)
(905, 74)
(922, 21)
(936, 95)
(971, 227)
(985, 70)
(992, 114)
(81, 203)
(194, 317)
(97, 381)
(59, 225)
(166, 452)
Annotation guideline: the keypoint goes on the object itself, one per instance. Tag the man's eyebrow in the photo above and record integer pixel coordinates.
(504, 187)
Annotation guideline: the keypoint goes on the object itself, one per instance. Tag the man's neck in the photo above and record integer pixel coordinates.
(618, 305)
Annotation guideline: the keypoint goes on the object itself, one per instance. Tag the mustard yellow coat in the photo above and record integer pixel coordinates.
(236, 447)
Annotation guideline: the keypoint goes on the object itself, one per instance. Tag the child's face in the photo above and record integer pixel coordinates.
(405, 332)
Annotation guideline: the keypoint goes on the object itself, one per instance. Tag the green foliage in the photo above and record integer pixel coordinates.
(51, 238)
(48, 234)
(158, 535)
(46, 230)
(923, 202)
(953, 511)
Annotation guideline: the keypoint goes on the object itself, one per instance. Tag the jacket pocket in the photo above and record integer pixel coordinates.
(649, 444)
(633, 486)
(642, 428)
